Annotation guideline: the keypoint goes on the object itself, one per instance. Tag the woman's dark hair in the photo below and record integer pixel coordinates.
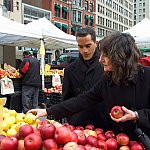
(82, 32)
(124, 55)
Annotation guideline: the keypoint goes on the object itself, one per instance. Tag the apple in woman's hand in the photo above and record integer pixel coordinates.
(117, 112)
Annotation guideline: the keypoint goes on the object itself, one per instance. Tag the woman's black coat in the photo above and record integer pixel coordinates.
(105, 90)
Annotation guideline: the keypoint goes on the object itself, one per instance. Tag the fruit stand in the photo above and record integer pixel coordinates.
(22, 132)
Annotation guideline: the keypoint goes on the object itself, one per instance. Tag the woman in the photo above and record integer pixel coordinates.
(125, 83)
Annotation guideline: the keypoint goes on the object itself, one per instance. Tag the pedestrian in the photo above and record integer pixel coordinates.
(31, 82)
(81, 75)
(126, 83)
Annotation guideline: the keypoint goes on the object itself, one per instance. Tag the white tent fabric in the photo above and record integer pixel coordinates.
(53, 37)
(16, 34)
(140, 31)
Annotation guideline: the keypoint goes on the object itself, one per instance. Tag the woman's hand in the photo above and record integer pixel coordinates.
(128, 115)
(38, 112)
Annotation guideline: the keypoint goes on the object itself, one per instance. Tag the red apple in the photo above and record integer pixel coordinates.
(32, 141)
(79, 128)
(101, 136)
(81, 147)
(71, 127)
(78, 131)
(122, 139)
(74, 137)
(42, 122)
(90, 126)
(88, 146)
(112, 144)
(109, 134)
(62, 135)
(71, 146)
(132, 142)
(124, 148)
(94, 148)
(47, 131)
(9, 143)
(117, 112)
(37, 131)
(1, 138)
(137, 146)
(92, 140)
(21, 145)
(88, 132)
(99, 130)
(57, 124)
(81, 138)
(49, 144)
(25, 130)
(102, 145)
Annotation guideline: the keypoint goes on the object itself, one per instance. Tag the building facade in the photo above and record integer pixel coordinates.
(113, 15)
(141, 10)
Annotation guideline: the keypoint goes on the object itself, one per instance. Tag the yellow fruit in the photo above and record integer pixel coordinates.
(10, 120)
(4, 133)
(20, 117)
(11, 132)
(12, 112)
(5, 126)
(6, 115)
(5, 109)
(14, 126)
(29, 118)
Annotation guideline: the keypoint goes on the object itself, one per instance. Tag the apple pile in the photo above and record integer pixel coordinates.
(14, 74)
(56, 89)
(52, 135)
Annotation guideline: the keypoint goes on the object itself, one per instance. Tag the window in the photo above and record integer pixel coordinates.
(8, 4)
(91, 21)
(144, 4)
(86, 19)
(91, 7)
(64, 28)
(58, 25)
(86, 5)
(79, 16)
(57, 10)
(143, 10)
(64, 12)
(74, 16)
(134, 5)
(79, 3)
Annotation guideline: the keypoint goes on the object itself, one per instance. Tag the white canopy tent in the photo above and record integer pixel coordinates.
(140, 31)
(53, 37)
(16, 34)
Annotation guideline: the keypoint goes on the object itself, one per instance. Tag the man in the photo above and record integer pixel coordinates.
(81, 75)
(30, 70)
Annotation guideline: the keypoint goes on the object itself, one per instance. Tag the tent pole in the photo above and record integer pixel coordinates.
(42, 53)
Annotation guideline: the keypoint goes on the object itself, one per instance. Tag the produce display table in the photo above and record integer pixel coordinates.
(52, 99)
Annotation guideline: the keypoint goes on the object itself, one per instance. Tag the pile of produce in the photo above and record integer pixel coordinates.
(9, 71)
(55, 89)
(22, 132)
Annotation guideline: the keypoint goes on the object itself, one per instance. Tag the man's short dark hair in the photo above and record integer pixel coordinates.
(82, 32)
(26, 53)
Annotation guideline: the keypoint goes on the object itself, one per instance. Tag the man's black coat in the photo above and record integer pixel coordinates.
(80, 76)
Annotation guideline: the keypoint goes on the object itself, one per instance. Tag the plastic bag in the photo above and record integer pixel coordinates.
(7, 86)
(56, 80)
